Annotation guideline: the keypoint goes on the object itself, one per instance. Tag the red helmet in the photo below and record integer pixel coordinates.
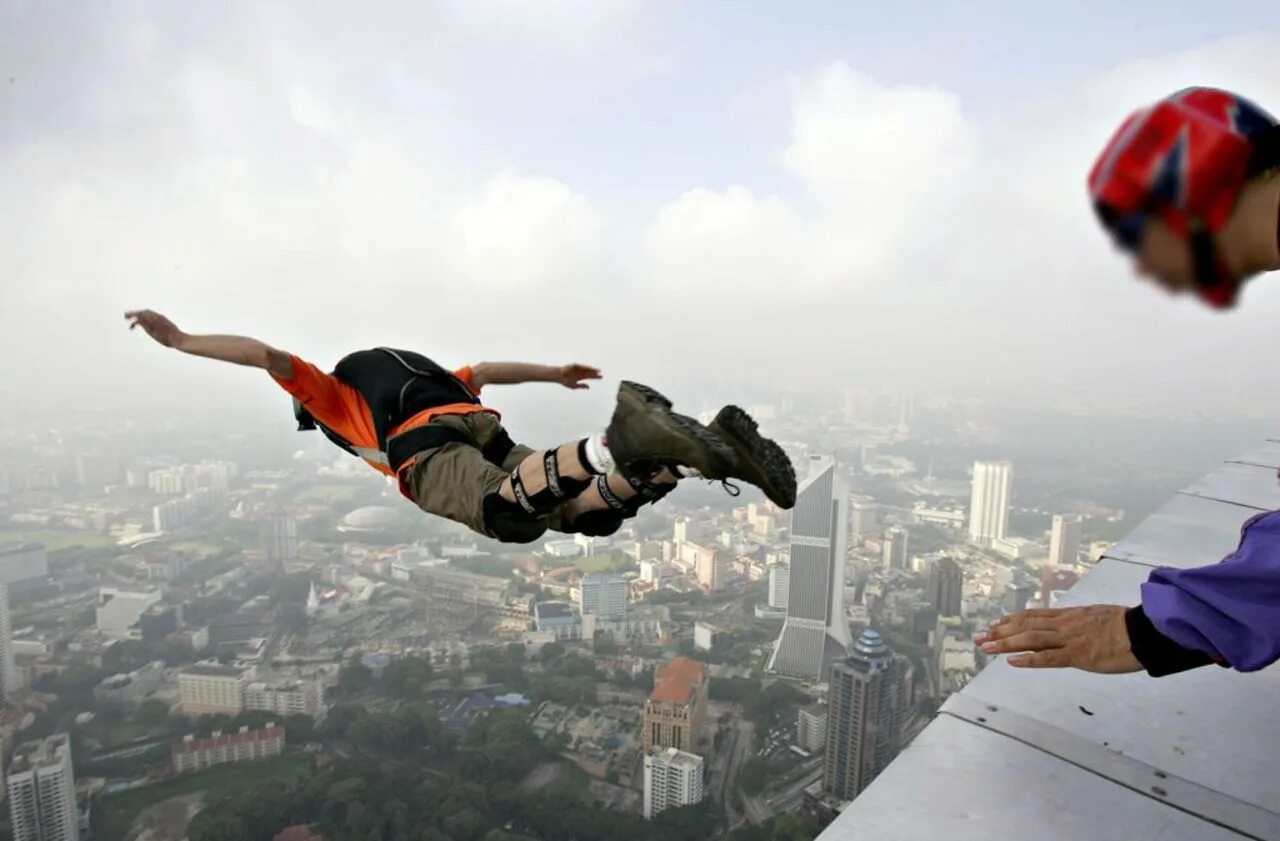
(1185, 159)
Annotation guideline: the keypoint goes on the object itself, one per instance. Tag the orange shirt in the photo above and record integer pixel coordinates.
(343, 409)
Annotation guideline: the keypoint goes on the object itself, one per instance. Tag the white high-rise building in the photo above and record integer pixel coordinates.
(42, 791)
(779, 586)
(816, 631)
(672, 778)
(989, 504)
(1064, 540)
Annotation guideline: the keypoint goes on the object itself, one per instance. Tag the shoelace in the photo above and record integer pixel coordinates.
(730, 488)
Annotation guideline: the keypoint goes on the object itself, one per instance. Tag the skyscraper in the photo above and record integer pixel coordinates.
(18, 562)
(42, 791)
(862, 516)
(280, 538)
(946, 587)
(672, 778)
(816, 631)
(895, 548)
(866, 708)
(604, 594)
(989, 504)
(712, 569)
(779, 586)
(1064, 541)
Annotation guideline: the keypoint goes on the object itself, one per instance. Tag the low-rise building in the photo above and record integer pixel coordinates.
(210, 688)
(192, 754)
(302, 696)
(811, 728)
(131, 689)
(559, 619)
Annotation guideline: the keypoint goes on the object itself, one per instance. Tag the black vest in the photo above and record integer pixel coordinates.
(396, 384)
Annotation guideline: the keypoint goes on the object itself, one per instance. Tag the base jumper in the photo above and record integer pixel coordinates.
(424, 425)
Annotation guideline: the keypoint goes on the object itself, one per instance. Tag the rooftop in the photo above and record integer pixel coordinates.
(1064, 755)
(553, 610)
(677, 680)
(211, 670)
(219, 739)
(39, 754)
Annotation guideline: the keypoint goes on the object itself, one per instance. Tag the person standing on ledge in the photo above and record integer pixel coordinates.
(1189, 188)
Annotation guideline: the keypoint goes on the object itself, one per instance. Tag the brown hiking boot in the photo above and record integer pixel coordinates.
(644, 432)
(757, 460)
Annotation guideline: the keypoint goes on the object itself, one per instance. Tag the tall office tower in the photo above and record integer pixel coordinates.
(862, 516)
(779, 586)
(946, 587)
(280, 538)
(866, 709)
(604, 594)
(680, 534)
(672, 778)
(18, 562)
(895, 548)
(989, 504)
(712, 569)
(1064, 541)
(42, 791)
(816, 631)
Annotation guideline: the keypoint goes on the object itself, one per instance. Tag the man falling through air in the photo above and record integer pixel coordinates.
(410, 418)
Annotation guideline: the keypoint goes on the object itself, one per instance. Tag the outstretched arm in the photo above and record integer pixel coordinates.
(512, 373)
(241, 350)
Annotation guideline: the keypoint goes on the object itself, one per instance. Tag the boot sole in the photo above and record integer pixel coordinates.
(671, 437)
(649, 395)
(760, 460)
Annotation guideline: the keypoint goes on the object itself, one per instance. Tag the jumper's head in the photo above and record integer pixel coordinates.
(1168, 179)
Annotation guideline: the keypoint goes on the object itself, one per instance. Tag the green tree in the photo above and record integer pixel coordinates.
(407, 678)
(354, 676)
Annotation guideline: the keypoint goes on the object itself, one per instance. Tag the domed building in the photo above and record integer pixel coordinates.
(371, 518)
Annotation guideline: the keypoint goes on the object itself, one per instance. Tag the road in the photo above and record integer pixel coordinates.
(740, 744)
(789, 796)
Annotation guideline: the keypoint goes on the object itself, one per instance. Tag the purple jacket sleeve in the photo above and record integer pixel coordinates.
(1229, 610)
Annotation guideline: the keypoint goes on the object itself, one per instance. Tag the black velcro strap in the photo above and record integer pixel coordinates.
(499, 447)
(551, 464)
(522, 496)
(648, 490)
(407, 444)
(606, 493)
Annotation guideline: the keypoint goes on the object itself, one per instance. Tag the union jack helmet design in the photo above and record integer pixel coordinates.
(1185, 159)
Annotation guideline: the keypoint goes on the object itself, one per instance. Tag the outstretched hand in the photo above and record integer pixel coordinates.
(572, 375)
(1093, 638)
(156, 326)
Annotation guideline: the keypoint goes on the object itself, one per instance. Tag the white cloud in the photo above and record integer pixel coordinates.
(877, 167)
(525, 232)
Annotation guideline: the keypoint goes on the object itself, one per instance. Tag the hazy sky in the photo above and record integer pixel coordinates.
(840, 193)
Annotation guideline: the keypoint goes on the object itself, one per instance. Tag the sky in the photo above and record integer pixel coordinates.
(714, 198)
